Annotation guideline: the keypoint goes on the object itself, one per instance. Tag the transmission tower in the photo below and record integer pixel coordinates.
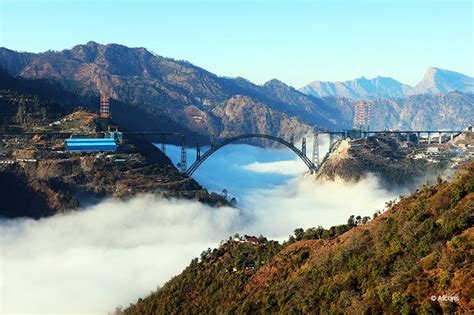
(104, 107)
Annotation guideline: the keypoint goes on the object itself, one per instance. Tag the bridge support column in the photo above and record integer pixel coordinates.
(315, 157)
(418, 135)
(440, 137)
(331, 141)
(452, 136)
(183, 155)
(303, 146)
(198, 151)
(429, 137)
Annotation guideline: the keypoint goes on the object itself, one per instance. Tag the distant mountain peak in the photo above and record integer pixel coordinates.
(359, 88)
(435, 80)
(438, 80)
(91, 43)
(275, 82)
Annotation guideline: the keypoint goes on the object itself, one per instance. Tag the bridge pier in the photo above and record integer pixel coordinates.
(440, 137)
(315, 157)
(303, 146)
(418, 135)
(429, 137)
(198, 150)
(451, 136)
(183, 155)
(331, 141)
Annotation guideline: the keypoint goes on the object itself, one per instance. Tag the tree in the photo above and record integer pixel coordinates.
(365, 219)
(351, 222)
(299, 234)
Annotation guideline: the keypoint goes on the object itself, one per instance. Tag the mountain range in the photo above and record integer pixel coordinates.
(435, 81)
(189, 95)
(151, 92)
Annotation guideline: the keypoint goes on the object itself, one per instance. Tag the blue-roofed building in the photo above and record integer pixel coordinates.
(91, 145)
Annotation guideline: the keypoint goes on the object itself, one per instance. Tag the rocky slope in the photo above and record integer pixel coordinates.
(403, 261)
(242, 112)
(396, 163)
(39, 179)
(450, 111)
(52, 185)
(127, 116)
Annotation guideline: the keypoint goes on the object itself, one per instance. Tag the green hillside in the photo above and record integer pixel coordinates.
(420, 248)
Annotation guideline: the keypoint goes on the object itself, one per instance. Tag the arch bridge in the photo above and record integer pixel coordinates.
(301, 153)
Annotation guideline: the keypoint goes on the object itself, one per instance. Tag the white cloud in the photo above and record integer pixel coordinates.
(93, 260)
(304, 203)
(282, 167)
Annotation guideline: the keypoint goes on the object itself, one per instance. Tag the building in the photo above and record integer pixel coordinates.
(91, 145)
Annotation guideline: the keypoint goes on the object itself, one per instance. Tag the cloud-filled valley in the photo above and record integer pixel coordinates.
(112, 253)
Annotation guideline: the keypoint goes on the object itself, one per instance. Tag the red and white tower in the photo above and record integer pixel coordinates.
(369, 113)
(104, 107)
(356, 116)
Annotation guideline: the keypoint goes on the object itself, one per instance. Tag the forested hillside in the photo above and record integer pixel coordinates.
(401, 262)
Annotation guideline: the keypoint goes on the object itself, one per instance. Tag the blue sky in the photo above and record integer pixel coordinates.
(296, 41)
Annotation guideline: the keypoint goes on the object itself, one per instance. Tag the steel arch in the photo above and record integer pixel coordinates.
(216, 147)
